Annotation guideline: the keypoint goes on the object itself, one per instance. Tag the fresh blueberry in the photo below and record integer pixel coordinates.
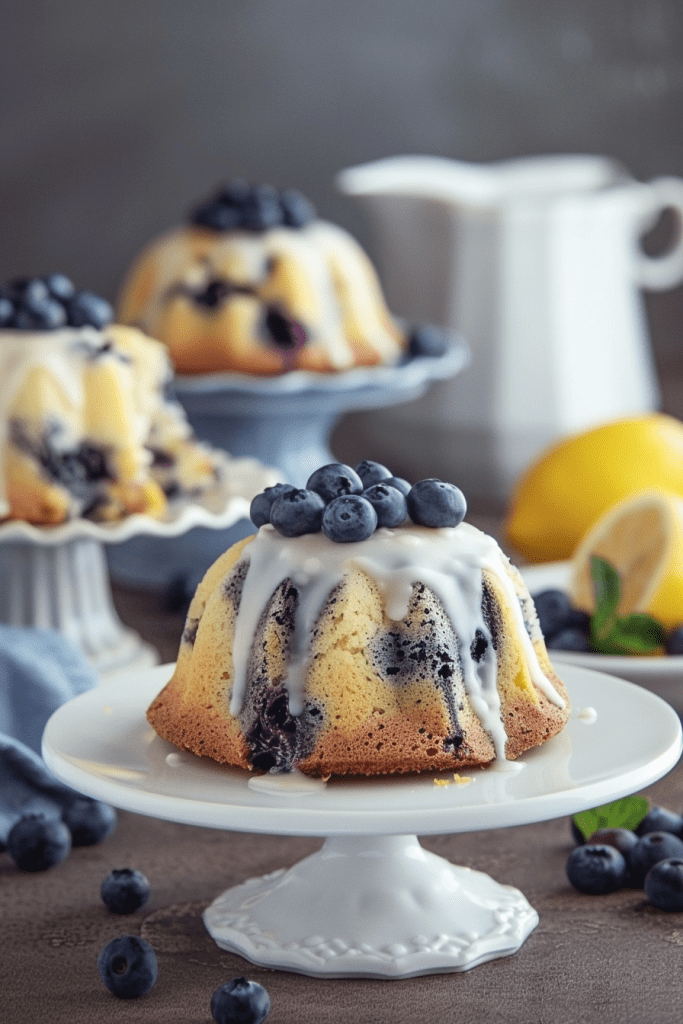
(88, 821)
(240, 1000)
(372, 473)
(59, 286)
(569, 639)
(659, 819)
(349, 518)
(674, 641)
(124, 891)
(596, 870)
(217, 215)
(261, 210)
(399, 483)
(263, 502)
(29, 289)
(553, 608)
(39, 315)
(297, 512)
(333, 480)
(85, 309)
(435, 503)
(6, 311)
(389, 504)
(664, 884)
(622, 839)
(128, 967)
(427, 340)
(297, 211)
(649, 850)
(36, 843)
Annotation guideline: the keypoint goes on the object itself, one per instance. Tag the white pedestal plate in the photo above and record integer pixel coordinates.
(372, 902)
(57, 577)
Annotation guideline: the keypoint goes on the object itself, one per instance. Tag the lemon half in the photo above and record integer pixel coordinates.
(642, 537)
(559, 497)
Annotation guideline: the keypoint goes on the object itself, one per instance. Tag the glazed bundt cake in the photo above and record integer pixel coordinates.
(344, 646)
(256, 283)
(86, 427)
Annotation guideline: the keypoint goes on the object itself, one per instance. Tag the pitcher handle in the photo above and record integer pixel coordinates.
(658, 273)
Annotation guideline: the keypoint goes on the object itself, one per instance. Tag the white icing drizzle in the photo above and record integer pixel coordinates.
(449, 561)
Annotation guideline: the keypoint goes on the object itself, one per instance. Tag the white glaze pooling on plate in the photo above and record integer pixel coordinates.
(450, 561)
(293, 783)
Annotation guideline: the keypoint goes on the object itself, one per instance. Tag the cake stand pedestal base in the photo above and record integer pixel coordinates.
(371, 906)
(66, 587)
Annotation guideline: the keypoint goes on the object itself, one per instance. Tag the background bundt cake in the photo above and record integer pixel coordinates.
(86, 427)
(256, 283)
(361, 648)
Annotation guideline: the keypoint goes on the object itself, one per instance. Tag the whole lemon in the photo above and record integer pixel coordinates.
(559, 497)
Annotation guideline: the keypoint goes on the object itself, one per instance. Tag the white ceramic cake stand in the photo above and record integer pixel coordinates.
(372, 902)
(57, 577)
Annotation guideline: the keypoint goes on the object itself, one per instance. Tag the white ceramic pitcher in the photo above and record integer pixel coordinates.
(537, 264)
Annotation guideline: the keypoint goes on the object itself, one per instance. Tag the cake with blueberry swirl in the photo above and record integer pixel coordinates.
(87, 427)
(256, 283)
(366, 629)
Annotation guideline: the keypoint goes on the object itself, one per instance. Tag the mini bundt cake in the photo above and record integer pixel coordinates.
(256, 283)
(361, 648)
(86, 427)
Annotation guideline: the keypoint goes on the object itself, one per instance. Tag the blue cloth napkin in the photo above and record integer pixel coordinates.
(39, 670)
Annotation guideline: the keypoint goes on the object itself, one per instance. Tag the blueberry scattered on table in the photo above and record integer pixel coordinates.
(128, 967)
(659, 819)
(649, 850)
(664, 884)
(36, 842)
(88, 821)
(297, 512)
(436, 503)
(622, 839)
(596, 870)
(125, 890)
(240, 1000)
(349, 518)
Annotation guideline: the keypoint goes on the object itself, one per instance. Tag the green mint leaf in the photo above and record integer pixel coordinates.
(607, 595)
(625, 813)
(634, 635)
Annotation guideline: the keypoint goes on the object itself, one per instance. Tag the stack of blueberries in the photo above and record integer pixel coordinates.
(240, 206)
(649, 858)
(348, 505)
(48, 303)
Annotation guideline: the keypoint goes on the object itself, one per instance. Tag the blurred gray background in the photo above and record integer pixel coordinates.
(116, 117)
